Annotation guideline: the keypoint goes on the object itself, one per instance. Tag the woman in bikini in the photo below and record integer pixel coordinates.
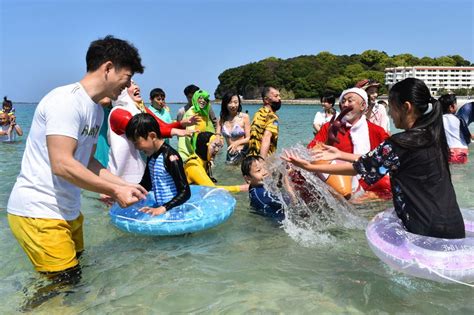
(234, 126)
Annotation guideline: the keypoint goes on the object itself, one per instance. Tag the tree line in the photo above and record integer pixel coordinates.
(312, 76)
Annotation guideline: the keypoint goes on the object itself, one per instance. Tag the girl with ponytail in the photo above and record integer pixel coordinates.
(416, 159)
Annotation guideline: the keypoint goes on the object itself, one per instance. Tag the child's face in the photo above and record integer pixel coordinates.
(148, 145)
(257, 173)
(7, 108)
(158, 102)
(4, 120)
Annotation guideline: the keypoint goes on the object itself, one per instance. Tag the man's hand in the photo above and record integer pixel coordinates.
(128, 195)
(153, 211)
(336, 125)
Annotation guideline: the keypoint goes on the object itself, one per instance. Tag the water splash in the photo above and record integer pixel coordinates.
(315, 213)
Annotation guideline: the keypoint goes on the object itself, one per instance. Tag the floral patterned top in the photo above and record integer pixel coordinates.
(423, 194)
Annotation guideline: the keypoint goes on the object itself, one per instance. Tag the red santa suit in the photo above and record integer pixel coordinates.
(359, 138)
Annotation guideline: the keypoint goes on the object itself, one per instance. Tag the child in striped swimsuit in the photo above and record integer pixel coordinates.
(164, 173)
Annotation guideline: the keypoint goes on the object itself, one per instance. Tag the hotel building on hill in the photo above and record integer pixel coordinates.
(448, 78)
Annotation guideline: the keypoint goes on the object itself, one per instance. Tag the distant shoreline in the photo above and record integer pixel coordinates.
(310, 101)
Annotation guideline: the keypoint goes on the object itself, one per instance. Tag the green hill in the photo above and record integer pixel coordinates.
(312, 76)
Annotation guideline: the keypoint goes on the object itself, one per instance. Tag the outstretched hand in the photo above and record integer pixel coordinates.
(336, 125)
(183, 132)
(191, 121)
(326, 153)
(291, 157)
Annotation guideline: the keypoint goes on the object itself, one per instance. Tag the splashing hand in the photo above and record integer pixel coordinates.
(336, 125)
(294, 159)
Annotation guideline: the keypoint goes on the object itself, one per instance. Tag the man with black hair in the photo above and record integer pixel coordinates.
(44, 209)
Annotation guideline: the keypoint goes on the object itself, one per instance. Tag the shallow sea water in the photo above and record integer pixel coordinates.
(247, 265)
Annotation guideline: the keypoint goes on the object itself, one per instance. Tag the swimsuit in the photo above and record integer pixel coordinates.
(237, 132)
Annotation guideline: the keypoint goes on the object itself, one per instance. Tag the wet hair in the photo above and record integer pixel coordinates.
(330, 98)
(120, 52)
(428, 128)
(7, 102)
(266, 90)
(447, 100)
(140, 126)
(190, 89)
(202, 146)
(157, 92)
(225, 101)
(247, 163)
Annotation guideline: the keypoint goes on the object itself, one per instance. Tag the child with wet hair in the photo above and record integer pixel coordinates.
(416, 159)
(261, 200)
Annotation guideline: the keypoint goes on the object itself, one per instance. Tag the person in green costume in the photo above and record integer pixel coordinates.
(201, 106)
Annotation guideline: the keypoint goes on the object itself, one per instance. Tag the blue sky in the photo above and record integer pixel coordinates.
(43, 42)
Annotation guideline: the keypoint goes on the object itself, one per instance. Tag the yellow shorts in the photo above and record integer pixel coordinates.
(51, 244)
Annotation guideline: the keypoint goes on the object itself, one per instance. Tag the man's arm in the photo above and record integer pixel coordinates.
(63, 164)
(265, 146)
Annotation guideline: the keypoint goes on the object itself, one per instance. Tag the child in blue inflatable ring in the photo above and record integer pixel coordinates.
(164, 173)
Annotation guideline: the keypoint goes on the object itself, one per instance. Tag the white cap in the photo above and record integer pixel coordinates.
(357, 91)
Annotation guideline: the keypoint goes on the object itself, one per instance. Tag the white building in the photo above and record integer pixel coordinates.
(449, 78)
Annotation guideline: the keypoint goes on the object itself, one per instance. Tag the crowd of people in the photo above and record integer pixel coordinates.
(93, 134)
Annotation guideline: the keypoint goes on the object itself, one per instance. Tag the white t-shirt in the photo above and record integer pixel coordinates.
(321, 118)
(66, 111)
(8, 138)
(453, 133)
(124, 159)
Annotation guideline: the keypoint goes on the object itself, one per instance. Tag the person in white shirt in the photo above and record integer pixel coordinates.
(458, 149)
(44, 205)
(324, 116)
(9, 129)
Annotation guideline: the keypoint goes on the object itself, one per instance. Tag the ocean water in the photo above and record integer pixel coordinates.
(247, 265)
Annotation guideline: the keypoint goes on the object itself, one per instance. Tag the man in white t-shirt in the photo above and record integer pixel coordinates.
(44, 205)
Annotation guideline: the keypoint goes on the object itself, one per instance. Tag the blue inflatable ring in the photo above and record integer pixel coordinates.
(207, 207)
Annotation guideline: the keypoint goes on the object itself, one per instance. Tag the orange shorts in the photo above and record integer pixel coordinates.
(51, 245)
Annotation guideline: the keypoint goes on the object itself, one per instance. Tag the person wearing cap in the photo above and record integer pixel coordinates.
(375, 113)
(359, 135)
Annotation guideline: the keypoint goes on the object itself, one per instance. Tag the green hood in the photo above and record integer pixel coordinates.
(197, 109)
